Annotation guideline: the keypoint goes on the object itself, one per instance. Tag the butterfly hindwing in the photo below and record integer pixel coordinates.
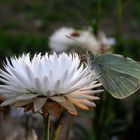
(118, 84)
(120, 76)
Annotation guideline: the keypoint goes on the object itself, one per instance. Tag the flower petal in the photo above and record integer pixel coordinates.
(38, 103)
(65, 103)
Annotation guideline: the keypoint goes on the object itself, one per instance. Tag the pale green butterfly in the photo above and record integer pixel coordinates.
(120, 76)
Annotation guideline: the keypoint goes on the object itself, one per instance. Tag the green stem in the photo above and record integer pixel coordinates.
(104, 116)
(47, 127)
(98, 8)
(69, 125)
(95, 24)
(118, 25)
(26, 127)
(58, 126)
(101, 117)
(56, 133)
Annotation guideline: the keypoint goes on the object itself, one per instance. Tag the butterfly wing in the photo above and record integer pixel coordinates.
(120, 76)
(118, 63)
(120, 85)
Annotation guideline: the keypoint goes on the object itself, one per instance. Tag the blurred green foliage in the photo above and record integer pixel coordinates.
(26, 25)
(18, 44)
(18, 32)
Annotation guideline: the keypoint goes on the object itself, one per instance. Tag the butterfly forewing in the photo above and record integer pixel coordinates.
(118, 63)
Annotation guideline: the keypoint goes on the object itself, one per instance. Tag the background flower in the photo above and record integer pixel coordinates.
(66, 39)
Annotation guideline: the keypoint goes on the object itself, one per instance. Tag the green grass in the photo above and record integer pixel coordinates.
(18, 44)
(18, 33)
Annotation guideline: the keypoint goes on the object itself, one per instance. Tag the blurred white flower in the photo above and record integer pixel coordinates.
(65, 39)
(38, 23)
(48, 84)
(68, 38)
(105, 43)
(59, 42)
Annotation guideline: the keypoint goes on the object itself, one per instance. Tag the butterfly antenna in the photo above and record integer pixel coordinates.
(75, 41)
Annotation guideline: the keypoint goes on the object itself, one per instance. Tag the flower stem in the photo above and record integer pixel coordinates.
(119, 12)
(26, 126)
(56, 133)
(58, 126)
(47, 127)
(95, 23)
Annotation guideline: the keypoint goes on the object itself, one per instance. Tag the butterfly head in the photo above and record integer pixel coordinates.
(90, 59)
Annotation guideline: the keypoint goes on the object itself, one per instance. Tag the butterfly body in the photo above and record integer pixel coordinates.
(120, 76)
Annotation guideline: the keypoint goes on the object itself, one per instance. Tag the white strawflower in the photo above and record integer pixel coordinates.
(65, 39)
(48, 84)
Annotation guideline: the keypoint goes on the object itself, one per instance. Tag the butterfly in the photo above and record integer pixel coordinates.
(120, 76)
